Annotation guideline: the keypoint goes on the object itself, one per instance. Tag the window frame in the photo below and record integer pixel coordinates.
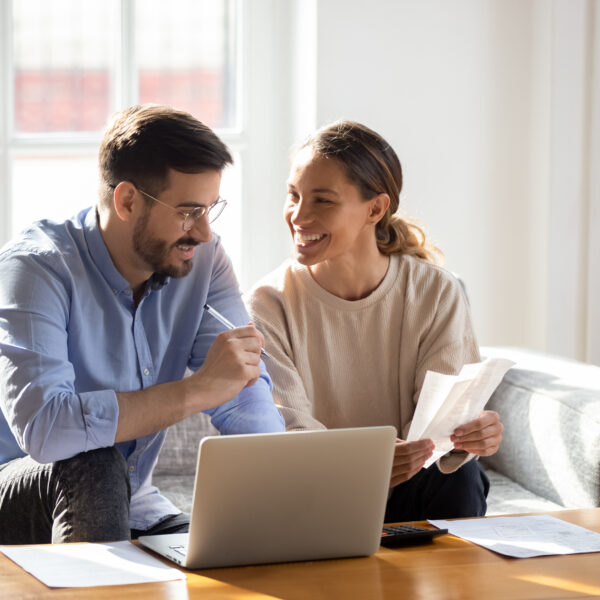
(238, 137)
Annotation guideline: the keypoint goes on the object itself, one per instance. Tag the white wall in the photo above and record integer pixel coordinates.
(267, 125)
(489, 105)
(593, 291)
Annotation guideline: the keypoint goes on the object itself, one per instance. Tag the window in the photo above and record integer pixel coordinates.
(66, 65)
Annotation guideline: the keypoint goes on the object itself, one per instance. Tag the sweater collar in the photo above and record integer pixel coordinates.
(338, 303)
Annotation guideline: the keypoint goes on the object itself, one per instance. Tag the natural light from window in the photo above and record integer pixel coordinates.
(74, 63)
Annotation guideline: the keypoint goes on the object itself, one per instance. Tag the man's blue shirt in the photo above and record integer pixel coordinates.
(71, 337)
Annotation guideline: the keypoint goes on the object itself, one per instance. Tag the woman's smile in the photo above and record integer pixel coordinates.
(306, 240)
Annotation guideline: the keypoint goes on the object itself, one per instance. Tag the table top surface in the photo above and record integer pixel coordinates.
(445, 569)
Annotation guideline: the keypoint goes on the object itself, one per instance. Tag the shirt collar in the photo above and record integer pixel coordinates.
(101, 257)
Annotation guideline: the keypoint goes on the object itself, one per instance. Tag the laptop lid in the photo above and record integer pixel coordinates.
(279, 497)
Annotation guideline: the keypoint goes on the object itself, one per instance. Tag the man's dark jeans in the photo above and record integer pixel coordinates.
(81, 499)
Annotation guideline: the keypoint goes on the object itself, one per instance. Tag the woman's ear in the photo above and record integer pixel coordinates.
(379, 204)
(124, 200)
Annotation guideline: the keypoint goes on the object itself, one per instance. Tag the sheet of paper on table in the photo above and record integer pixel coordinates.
(88, 565)
(524, 537)
(447, 401)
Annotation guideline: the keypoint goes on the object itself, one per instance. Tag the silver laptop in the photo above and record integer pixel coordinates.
(280, 497)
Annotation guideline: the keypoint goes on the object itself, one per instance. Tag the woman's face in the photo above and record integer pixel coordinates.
(326, 214)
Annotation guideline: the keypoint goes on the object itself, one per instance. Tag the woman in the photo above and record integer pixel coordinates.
(360, 315)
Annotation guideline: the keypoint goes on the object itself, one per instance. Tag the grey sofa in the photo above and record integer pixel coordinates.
(550, 455)
(549, 458)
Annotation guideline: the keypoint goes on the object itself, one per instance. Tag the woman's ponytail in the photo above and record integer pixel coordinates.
(400, 235)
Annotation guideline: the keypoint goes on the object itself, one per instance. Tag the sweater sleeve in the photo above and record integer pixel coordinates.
(266, 307)
(448, 344)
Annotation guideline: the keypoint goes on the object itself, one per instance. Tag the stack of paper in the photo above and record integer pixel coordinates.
(448, 401)
(87, 565)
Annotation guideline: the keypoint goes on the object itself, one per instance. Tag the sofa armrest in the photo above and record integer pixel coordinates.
(550, 408)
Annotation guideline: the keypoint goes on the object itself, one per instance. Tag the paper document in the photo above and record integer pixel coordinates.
(524, 537)
(447, 401)
(87, 565)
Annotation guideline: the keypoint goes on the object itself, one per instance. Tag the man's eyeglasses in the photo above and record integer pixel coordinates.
(191, 217)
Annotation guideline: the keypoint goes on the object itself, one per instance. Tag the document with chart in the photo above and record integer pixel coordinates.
(524, 537)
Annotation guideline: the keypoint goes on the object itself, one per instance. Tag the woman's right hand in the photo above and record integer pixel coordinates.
(409, 458)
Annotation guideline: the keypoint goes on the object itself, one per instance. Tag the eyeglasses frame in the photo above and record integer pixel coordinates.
(195, 214)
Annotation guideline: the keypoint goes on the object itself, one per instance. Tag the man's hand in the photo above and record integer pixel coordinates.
(481, 436)
(409, 458)
(231, 364)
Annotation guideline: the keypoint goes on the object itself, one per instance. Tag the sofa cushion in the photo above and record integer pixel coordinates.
(179, 489)
(179, 453)
(550, 408)
(507, 497)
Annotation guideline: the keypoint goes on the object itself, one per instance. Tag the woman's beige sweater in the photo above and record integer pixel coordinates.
(339, 363)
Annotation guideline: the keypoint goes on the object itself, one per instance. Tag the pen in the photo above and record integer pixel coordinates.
(219, 317)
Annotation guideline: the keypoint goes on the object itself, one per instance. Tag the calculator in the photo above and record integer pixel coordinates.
(407, 535)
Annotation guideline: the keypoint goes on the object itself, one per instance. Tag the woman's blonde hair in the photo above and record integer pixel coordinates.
(372, 165)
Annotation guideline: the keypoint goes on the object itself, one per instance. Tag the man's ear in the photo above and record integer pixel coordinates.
(125, 198)
(379, 205)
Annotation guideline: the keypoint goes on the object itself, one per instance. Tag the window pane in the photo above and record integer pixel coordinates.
(185, 51)
(229, 223)
(63, 64)
(54, 187)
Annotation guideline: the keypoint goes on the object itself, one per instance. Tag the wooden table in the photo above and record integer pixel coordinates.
(447, 569)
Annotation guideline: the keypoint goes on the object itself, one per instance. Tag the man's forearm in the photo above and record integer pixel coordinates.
(158, 407)
(232, 363)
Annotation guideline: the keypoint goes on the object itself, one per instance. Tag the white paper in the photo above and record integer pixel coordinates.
(448, 401)
(87, 565)
(524, 537)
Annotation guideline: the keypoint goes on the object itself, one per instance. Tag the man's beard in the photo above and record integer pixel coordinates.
(155, 252)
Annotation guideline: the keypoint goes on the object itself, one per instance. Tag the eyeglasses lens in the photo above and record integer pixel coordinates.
(215, 210)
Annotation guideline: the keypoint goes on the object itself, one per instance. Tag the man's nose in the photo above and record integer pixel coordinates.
(202, 229)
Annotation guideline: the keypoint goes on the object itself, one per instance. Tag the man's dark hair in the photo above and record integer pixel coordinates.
(142, 143)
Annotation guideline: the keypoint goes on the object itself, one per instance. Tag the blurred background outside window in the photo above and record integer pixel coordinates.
(67, 65)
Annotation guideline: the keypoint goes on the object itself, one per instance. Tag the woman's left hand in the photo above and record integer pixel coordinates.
(481, 436)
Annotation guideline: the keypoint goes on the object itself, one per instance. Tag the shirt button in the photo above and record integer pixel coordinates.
(131, 469)
(146, 371)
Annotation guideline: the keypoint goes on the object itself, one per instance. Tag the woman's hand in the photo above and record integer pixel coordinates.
(481, 436)
(409, 458)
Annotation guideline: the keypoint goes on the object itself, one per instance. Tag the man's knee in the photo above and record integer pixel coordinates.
(92, 497)
(100, 469)
(105, 460)
(78, 499)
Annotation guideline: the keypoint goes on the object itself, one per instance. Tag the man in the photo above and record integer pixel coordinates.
(99, 318)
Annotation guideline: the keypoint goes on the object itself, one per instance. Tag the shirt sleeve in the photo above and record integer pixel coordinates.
(448, 344)
(289, 391)
(48, 419)
(253, 409)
